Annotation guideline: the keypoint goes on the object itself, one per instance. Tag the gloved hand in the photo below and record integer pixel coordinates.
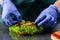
(9, 9)
(48, 17)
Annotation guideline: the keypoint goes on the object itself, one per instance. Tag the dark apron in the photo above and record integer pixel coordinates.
(30, 9)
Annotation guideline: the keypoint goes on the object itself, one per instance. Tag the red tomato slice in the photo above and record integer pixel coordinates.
(56, 34)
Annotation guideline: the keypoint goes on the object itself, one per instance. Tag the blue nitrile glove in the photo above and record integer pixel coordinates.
(48, 17)
(9, 9)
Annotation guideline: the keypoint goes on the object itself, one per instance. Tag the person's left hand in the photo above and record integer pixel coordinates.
(48, 17)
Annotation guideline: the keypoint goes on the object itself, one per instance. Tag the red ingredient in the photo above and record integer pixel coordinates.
(56, 34)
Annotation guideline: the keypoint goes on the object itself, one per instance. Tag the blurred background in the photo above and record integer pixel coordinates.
(0, 9)
(6, 35)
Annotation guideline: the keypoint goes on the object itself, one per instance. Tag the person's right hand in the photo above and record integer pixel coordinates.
(9, 9)
(48, 17)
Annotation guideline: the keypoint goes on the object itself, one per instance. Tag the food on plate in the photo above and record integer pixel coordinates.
(55, 35)
(25, 27)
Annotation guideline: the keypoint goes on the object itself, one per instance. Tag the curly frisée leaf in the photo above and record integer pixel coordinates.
(25, 28)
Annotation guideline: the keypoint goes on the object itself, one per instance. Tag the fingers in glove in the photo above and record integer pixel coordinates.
(44, 22)
(7, 22)
(13, 21)
(18, 16)
(54, 24)
(39, 19)
(51, 23)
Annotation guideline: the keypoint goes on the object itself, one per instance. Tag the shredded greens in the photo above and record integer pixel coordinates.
(25, 28)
